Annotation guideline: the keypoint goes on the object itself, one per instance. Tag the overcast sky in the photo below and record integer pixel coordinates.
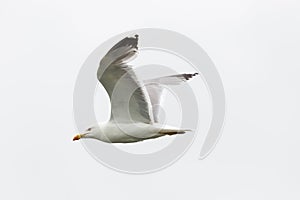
(255, 46)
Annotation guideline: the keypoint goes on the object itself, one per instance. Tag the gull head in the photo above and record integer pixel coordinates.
(88, 133)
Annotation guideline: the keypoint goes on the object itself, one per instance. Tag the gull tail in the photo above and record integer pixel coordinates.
(173, 131)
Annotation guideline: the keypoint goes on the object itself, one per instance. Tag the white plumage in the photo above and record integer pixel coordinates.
(134, 116)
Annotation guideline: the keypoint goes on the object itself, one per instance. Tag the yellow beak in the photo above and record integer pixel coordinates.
(77, 137)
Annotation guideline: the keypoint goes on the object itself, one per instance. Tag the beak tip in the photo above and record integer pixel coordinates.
(77, 137)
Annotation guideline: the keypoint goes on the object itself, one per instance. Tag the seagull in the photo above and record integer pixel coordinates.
(134, 110)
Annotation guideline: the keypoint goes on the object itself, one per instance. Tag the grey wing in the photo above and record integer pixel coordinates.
(155, 89)
(129, 99)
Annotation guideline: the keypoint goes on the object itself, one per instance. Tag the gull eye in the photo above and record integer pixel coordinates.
(89, 129)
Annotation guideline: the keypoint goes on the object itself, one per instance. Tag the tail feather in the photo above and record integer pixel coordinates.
(173, 131)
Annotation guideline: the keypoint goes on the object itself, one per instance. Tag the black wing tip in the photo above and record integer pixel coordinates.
(127, 41)
(135, 37)
(189, 76)
(135, 41)
(132, 41)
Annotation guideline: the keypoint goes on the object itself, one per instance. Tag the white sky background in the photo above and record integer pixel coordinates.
(255, 46)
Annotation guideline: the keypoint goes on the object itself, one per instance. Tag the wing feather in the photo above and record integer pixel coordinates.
(129, 99)
(155, 89)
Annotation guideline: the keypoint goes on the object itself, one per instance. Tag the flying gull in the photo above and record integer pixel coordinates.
(134, 110)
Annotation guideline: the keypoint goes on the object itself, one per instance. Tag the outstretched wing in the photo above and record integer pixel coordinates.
(155, 89)
(129, 99)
